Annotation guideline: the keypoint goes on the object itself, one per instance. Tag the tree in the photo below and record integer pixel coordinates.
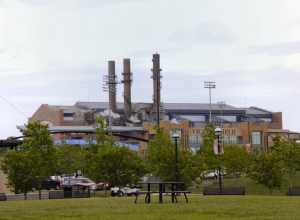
(289, 154)
(17, 166)
(236, 159)
(33, 161)
(38, 146)
(209, 137)
(118, 166)
(161, 159)
(206, 157)
(102, 138)
(267, 169)
(70, 159)
(108, 162)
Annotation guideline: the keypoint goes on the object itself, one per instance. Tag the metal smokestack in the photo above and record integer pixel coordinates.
(156, 86)
(112, 86)
(127, 87)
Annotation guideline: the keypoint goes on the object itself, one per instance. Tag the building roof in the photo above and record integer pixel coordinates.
(198, 106)
(167, 106)
(97, 105)
(184, 108)
(84, 129)
(256, 111)
(65, 108)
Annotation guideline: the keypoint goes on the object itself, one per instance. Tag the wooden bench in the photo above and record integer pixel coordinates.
(210, 191)
(174, 195)
(3, 197)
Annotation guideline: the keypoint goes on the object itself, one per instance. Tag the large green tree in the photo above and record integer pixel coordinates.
(206, 158)
(17, 166)
(116, 165)
(289, 154)
(209, 137)
(70, 158)
(236, 160)
(39, 145)
(267, 169)
(108, 162)
(161, 159)
(38, 159)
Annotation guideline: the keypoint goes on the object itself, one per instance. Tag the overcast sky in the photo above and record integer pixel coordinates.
(56, 52)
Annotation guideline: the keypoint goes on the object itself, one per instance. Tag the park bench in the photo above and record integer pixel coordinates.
(210, 191)
(294, 191)
(3, 197)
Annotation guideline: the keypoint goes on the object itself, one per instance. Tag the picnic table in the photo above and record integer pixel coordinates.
(174, 191)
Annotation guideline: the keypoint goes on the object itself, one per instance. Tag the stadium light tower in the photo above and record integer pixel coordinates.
(209, 85)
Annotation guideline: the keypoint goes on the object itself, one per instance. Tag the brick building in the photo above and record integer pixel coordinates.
(249, 127)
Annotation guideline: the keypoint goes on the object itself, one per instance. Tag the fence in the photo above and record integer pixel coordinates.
(57, 194)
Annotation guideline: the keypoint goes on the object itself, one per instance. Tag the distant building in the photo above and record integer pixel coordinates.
(249, 127)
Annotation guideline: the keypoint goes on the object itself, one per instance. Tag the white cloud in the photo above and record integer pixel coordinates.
(280, 49)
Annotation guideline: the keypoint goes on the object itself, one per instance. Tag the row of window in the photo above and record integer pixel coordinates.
(196, 140)
(198, 120)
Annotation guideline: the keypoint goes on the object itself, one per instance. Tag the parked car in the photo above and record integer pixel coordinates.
(102, 186)
(124, 191)
(50, 184)
(78, 181)
(211, 175)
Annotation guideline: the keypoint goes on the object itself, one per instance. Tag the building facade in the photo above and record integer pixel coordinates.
(251, 127)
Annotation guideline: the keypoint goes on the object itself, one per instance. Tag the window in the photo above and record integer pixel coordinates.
(230, 139)
(226, 118)
(195, 141)
(69, 116)
(256, 138)
(266, 119)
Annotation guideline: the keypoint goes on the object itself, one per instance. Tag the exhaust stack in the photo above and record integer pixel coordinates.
(127, 87)
(156, 86)
(112, 86)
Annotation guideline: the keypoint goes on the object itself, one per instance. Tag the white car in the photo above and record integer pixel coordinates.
(78, 181)
(124, 191)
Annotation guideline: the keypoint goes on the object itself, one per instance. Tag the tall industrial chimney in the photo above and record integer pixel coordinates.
(156, 86)
(112, 86)
(127, 87)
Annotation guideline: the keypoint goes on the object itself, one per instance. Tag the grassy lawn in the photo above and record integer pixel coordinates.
(252, 188)
(219, 208)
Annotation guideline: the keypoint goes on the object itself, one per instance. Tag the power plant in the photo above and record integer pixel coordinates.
(248, 126)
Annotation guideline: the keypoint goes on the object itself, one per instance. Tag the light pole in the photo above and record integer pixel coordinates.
(176, 136)
(209, 85)
(218, 133)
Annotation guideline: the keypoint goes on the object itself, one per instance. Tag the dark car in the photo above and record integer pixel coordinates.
(50, 184)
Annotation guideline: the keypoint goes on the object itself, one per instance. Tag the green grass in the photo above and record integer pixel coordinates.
(252, 188)
(219, 208)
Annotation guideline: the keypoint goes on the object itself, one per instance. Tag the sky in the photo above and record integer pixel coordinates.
(56, 52)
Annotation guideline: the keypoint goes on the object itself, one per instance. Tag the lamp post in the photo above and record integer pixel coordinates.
(176, 136)
(218, 133)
